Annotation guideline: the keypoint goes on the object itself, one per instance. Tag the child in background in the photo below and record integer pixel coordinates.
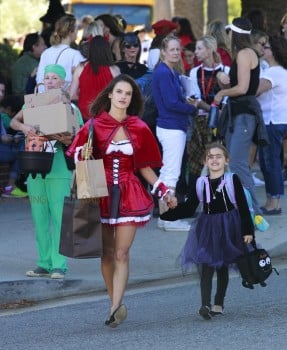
(11, 143)
(11, 105)
(217, 237)
(189, 55)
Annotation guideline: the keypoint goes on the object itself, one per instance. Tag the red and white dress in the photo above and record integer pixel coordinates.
(128, 201)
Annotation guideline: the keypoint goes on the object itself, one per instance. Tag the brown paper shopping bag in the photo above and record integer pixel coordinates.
(90, 174)
(91, 179)
(81, 230)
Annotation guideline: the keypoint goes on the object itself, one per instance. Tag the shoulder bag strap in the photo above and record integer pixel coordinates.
(57, 59)
(90, 137)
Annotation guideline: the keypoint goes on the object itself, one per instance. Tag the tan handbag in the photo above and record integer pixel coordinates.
(90, 174)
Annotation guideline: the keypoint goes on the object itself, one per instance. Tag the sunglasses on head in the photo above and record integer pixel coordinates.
(128, 46)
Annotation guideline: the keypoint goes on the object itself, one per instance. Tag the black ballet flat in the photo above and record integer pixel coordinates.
(117, 317)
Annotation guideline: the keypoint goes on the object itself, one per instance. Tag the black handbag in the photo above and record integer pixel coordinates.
(255, 266)
(260, 137)
(224, 120)
(81, 230)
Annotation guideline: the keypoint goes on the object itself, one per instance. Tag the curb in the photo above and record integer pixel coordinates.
(46, 289)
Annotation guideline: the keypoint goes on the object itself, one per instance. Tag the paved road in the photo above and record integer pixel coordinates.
(161, 317)
(153, 255)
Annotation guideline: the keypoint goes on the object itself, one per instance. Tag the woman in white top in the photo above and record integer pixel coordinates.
(204, 87)
(60, 52)
(272, 95)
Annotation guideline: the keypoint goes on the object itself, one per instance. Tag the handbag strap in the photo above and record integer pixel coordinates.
(90, 136)
(91, 130)
(230, 120)
(57, 59)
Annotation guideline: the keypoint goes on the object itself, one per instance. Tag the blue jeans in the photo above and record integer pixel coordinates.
(9, 154)
(270, 160)
(238, 144)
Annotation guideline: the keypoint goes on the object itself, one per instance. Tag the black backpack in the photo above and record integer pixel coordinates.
(255, 267)
(150, 112)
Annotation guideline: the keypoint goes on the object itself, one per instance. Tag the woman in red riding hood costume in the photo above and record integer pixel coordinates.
(127, 146)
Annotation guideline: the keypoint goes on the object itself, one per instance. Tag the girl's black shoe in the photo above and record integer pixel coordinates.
(205, 312)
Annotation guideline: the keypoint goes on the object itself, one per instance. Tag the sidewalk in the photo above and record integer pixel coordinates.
(153, 255)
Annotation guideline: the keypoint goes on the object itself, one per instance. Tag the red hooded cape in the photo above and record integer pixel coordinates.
(146, 150)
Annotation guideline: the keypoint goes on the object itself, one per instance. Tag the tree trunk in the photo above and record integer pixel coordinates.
(273, 10)
(217, 10)
(192, 10)
(163, 10)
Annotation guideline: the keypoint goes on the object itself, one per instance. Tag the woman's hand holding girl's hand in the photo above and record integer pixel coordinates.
(248, 238)
(170, 200)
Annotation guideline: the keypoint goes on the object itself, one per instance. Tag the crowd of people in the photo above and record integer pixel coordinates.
(239, 66)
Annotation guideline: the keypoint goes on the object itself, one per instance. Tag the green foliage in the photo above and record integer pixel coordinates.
(8, 56)
(20, 17)
(234, 9)
(17, 19)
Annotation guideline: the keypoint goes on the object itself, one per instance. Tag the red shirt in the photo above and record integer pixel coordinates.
(90, 85)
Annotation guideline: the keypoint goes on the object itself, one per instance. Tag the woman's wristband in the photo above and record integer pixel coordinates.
(159, 190)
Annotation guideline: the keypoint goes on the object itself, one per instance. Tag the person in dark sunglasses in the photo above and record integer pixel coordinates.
(131, 50)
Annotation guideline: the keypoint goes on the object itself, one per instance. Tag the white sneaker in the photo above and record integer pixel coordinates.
(160, 223)
(177, 225)
(257, 182)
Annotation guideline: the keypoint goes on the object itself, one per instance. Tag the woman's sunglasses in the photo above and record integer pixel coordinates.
(128, 46)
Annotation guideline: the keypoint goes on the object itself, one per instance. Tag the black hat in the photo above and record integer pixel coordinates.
(54, 12)
(131, 38)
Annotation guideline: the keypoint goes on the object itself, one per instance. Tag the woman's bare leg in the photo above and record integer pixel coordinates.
(124, 237)
(107, 263)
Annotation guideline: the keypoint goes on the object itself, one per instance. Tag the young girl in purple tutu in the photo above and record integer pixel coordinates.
(216, 239)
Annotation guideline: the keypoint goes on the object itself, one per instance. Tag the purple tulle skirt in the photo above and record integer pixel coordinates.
(213, 239)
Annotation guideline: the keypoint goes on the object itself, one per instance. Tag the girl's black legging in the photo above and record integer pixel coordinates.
(206, 284)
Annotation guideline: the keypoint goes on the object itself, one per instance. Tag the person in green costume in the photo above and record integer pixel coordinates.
(47, 195)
